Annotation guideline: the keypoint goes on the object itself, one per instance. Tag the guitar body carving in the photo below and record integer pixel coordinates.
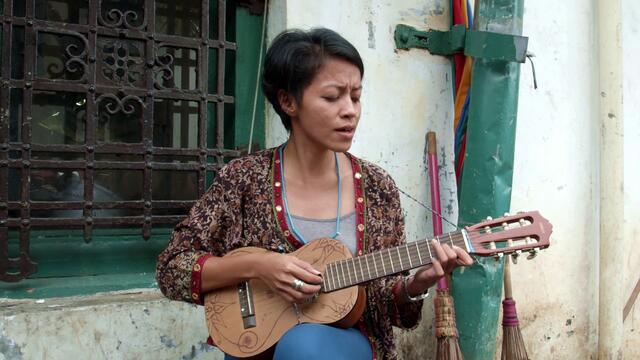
(273, 314)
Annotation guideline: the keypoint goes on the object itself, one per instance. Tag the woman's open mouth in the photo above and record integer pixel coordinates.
(346, 131)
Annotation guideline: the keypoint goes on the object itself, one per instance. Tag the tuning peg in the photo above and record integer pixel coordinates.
(498, 256)
(532, 254)
(489, 218)
(515, 255)
(522, 222)
(507, 214)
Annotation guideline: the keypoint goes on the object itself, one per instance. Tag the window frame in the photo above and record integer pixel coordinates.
(22, 236)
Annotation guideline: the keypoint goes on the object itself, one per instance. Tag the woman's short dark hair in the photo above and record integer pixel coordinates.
(295, 57)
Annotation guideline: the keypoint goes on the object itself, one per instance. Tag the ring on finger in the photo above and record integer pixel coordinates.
(297, 284)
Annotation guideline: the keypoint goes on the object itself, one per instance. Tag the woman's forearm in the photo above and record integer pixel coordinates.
(219, 272)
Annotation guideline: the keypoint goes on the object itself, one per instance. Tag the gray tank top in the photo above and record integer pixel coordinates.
(312, 229)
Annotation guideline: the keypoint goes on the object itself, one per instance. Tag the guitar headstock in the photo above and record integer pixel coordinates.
(526, 231)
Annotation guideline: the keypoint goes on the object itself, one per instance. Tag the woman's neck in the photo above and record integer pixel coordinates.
(307, 163)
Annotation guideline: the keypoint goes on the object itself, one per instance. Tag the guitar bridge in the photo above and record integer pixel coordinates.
(247, 310)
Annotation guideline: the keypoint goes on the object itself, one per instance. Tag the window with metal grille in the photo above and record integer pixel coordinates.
(115, 117)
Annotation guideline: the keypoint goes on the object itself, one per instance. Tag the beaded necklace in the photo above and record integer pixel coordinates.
(286, 203)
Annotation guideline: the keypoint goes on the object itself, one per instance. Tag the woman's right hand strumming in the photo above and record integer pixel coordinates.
(293, 279)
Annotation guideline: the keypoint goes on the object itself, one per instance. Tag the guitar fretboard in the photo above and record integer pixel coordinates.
(346, 273)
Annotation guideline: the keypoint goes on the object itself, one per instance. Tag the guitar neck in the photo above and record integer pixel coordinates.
(346, 273)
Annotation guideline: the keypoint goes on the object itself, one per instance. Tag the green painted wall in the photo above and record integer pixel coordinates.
(248, 29)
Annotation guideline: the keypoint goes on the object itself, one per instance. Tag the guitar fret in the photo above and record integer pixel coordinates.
(406, 249)
(342, 271)
(391, 259)
(337, 269)
(450, 239)
(355, 272)
(384, 268)
(333, 274)
(418, 251)
(366, 261)
(375, 264)
(429, 247)
(326, 277)
(324, 281)
(349, 272)
(345, 270)
(399, 257)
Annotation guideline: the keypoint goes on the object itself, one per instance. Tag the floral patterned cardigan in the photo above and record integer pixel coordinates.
(244, 208)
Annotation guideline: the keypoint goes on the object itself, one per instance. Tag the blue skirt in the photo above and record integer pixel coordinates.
(317, 341)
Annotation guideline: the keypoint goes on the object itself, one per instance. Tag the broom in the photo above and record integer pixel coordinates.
(512, 342)
(448, 347)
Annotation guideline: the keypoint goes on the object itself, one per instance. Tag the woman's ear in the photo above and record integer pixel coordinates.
(287, 103)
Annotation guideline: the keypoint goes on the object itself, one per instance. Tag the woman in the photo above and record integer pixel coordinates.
(307, 188)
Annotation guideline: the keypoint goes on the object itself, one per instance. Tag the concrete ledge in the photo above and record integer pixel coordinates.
(133, 324)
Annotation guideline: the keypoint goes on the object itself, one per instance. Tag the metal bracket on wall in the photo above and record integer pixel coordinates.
(477, 44)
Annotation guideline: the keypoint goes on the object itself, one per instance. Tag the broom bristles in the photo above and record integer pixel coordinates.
(512, 342)
(448, 347)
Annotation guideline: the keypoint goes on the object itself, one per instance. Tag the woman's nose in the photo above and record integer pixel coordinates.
(350, 108)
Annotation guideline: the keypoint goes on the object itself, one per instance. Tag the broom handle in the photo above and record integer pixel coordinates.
(432, 156)
(435, 183)
(507, 277)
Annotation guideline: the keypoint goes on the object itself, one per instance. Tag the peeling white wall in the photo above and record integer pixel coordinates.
(631, 110)
(555, 172)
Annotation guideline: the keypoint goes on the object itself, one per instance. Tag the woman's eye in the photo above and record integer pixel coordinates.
(331, 98)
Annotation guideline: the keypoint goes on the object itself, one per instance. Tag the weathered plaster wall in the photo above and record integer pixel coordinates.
(631, 110)
(556, 173)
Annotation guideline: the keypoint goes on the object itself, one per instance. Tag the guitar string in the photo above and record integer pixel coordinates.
(430, 209)
(387, 261)
(342, 282)
(457, 238)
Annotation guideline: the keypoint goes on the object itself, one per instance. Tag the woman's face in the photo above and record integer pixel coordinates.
(328, 114)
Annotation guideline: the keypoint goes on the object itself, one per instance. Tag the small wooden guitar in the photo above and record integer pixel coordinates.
(248, 319)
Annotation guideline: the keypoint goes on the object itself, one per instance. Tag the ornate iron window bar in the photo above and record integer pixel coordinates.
(117, 64)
